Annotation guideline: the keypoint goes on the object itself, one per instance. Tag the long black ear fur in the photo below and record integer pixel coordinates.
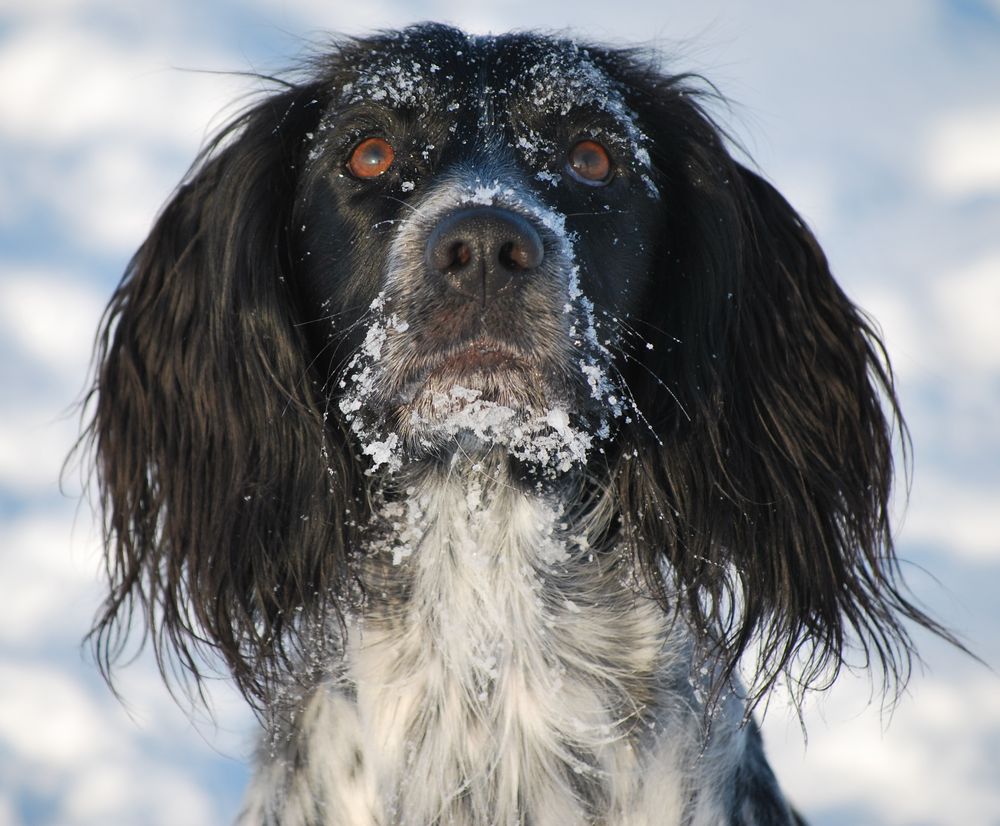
(224, 513)
(764, 480)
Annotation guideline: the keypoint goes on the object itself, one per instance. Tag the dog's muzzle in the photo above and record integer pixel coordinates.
(481, 251)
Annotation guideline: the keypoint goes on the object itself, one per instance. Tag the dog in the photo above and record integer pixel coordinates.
(480, 414)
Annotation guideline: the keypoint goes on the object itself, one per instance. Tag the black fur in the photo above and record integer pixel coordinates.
(755, 482)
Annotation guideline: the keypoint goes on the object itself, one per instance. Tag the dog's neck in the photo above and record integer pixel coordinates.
(477, 504)
(497, 643)
(501, 665)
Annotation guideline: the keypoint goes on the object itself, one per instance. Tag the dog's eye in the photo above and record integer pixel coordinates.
(370, 158)
(589, 163)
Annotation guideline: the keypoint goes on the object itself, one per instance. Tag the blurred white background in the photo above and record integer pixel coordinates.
(880, 122)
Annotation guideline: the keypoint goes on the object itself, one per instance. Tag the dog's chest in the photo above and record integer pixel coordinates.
(506, 671)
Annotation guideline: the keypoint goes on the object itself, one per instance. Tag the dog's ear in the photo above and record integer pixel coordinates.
(224, 514)
(766, 485)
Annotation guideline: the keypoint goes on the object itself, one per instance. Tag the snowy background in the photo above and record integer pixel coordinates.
(880, 121)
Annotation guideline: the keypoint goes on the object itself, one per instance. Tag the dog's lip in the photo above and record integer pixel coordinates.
(479, 356)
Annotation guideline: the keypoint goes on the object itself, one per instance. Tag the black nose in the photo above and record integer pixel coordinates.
(480, 250)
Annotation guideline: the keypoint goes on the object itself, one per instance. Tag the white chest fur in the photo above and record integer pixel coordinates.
(502, 674)
(502, 685)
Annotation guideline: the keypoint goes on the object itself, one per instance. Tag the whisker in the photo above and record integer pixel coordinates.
(305, 371)
(329, 316)
(401, 201)
(634, 404)
(622, 323)
(653, 375)
(631, 331)
(649, 324)
(595, 214)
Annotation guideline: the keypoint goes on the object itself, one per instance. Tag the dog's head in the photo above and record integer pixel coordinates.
(490, 204)
(520, 245)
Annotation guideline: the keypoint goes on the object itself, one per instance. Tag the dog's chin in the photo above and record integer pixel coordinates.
(477, 376)
(464, 396)
(480, 402)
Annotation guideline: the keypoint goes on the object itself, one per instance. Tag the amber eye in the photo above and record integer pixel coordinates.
(589, 163)
(370, 158)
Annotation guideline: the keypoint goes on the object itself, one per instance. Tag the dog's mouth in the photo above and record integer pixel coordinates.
(478, 395)
(482, 370)
(479, 357)
(485, 396)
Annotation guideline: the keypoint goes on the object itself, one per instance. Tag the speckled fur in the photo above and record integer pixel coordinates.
(501, 672)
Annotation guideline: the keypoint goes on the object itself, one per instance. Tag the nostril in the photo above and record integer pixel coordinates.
(515, 256)
(448, 257)
(511, 256)
(461, 254)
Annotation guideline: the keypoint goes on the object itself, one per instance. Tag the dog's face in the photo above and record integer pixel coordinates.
(434, 244)
(493, 199)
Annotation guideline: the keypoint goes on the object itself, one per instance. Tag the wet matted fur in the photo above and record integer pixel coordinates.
(480, 411)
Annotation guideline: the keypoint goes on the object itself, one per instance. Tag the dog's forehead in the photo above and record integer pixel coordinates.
(447, 73)
(559, 75)
(398, 70)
